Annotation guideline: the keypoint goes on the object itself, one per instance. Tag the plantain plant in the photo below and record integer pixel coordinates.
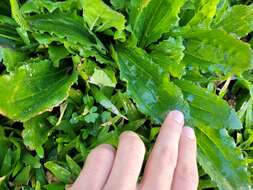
(76, 73)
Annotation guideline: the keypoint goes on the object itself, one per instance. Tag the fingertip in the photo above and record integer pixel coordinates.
(188, 132)
(176, 115)
(132, 139)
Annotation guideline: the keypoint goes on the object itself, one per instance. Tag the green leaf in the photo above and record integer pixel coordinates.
(17, 15)
(101, 17)
(204, 14)
(218, 155)
(105, 101)
(119, 4)
(103, 77)
(23, 177)
(6, 165)
(33, 161)
(207, 108)
(33, 89)
(150, 19)
(74, 167)
(169, 54)
(237, 20)
(148, 85)
(12, 58)
(35, 133)
(217, 52)
(60, 172)
(65, 26)
(55, 186)
(57, 53)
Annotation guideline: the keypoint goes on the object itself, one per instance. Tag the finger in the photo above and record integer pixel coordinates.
(127, 164)
(96, 170)
(160, 167)
(186, 173)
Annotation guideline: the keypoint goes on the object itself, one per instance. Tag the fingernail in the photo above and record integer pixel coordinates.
(177, 116)
(189, 132)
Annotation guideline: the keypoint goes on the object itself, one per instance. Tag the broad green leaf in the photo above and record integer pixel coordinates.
(64, 26)
(221, 159)
(148, 84)
(103, 77)
(12, 58)
(238, 20)
(150, 19)
(169, 54)
(35, 133)
(217, 52)
(101, 17)
(207, 108)
(204, 14)
(33, 89)
(60, 172)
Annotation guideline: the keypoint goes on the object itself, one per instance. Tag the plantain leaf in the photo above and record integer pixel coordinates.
(35, 133)
(238, 20)
(65, 26)
(148, 85)
(12, 58)
(34, 88)
(204, 106)
(216, 51)
(101, 17)
(204, 14)
(221, 159)
(150, 19)
(169, 54)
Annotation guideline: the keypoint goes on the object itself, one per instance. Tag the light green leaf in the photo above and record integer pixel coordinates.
(148, 85)
(35, 133)
(169, 54)
(150, 19)
(119, 4)
(101, 17)
(12, 58)
(33, 89)
(208, 108)
(17, 15)
(102, 77)
(237, 20)
(218, 155)
(204, 14)
(74, 167)
(60, 172)
(105, 101)
(217, 52)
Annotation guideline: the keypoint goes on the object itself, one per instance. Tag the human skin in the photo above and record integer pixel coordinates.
(171, 164)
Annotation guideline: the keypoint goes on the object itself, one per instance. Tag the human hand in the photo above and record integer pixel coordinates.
(171, 164)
